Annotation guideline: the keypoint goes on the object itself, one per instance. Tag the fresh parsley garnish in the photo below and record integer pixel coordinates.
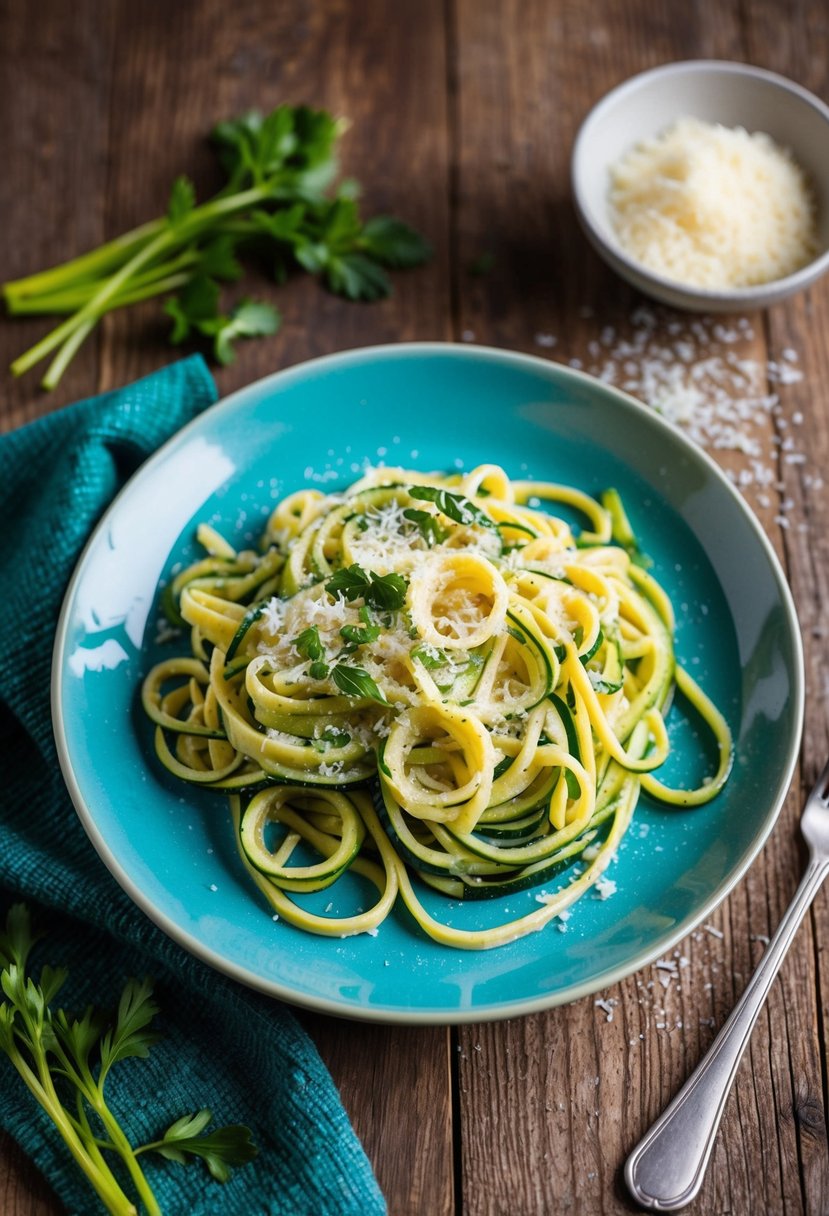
(277, 205)
(360, 635)
(351, 582)
(355, 682)
(196, 309)
(53, 1052)
(387, 591)
(453, 506)
(428, 525)
(182, 199)
(219, 1149)
(309, 646)
(384, 591)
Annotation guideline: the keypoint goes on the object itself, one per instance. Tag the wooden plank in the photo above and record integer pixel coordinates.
(23, 1190)
(399, 1104)
(799, 1009)
(573, 1093)
(55, 130)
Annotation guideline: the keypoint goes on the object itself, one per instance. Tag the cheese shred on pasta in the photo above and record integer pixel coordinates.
(427, 680)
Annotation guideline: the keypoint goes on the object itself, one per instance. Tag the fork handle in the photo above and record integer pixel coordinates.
(666, 1169)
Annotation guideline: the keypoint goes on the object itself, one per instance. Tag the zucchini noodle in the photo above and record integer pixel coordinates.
(430, 676)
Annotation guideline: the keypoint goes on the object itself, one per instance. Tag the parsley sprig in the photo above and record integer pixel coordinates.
(428, 525)
(454, 506)
(277, 205)
(384, 591)
(309, 646)
(52, 1051)
(351, 680)
(355, 682)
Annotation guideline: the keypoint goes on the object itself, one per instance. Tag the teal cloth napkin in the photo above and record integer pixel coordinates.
(223, 1046)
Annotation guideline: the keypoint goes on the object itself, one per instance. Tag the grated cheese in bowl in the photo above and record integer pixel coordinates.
(713, 207)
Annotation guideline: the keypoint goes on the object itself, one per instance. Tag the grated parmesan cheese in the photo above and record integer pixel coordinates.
(713, 207)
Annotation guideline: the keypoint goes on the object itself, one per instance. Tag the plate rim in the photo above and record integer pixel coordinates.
(497, 1011)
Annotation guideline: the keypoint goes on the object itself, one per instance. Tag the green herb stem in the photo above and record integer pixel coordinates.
(161, 279)
(68, 351)
(92, 310)
(127, 1155)
(92, 1091)
(96, 1170)
(88, 266)
(72, 332)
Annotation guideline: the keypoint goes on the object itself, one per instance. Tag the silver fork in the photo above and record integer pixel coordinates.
(666, 1169)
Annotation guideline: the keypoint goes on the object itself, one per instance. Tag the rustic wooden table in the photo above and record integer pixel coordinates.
(463, 114)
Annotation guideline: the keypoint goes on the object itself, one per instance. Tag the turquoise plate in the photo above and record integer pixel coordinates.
(429, 407)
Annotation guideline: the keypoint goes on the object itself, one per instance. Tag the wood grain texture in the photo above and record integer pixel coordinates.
(55, 72)
(394, 1081)
(463, 116)
(573, 1093)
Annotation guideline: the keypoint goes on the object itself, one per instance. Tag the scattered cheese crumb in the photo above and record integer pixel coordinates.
(605, 887)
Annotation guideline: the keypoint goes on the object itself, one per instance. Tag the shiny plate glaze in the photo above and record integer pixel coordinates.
(427, 406)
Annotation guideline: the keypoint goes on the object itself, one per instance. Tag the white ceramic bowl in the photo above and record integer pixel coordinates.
(733, 94)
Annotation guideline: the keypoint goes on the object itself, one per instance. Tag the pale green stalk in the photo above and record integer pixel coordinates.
(96, 1170)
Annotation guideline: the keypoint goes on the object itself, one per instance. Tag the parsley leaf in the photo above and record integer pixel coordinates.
(360, 635)
(130, 1036)
(428, 525)
(249, 319)
(219, 258)
(350, 582)
(295, 145)
(453, 506)
(393, 243)
(384, 591)
(220, 1149)
(197, 303)
(387, 591)
(182, 200)
(309, 644)
(355, 682)
(357, 278)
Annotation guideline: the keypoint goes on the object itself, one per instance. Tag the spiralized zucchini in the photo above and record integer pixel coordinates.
(433, 676)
